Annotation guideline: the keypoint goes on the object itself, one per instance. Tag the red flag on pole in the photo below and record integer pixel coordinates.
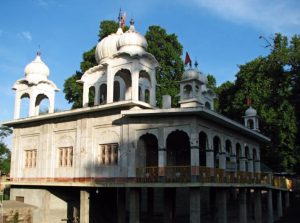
(187, 59)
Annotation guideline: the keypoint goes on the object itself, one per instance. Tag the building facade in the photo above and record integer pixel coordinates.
(119, 158)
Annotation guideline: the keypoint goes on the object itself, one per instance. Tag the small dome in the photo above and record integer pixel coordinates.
(37, 70)
(194, 73)
(107, 46)
(132, 42)
(250, 112)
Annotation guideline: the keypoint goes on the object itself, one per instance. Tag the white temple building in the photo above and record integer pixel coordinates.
(121, 159)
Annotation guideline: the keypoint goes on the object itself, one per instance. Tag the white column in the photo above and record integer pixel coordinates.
(153, 89)
(135, 85)
(162, 154)
(110, 86)
(85, 96)
(17, 106)
(194, 155)
(51, 103)
(242, 163)
(84, 206)
(209, 152)
(97, 95)
(257, 166)
(32, 101)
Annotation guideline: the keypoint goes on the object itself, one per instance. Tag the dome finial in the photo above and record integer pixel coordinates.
(132, 21)
(38, 52)
(196, 63)
(122, 19)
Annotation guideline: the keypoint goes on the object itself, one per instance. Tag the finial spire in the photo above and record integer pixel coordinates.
(196, 63)
(122, 19)
(38, 52)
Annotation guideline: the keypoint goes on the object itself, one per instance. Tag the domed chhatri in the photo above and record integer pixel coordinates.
(250, 112)
(37, 70)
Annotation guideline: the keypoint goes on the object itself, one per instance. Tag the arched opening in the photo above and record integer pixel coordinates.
(147, 151)
(202, 148)
(24, 105)
(250, 124)
(207, 105)
(178, 149)
(255, 159)
(187, 91)
(238, 155)
(228, 149)
(41, 104)
(91, 96)
(103, 94)
(122, 85)
(147, 96)
(247, 156)
(140, 94)
(217, 150)
(117, 91)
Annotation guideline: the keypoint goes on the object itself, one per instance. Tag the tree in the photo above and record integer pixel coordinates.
(167, 51)
(268, 81)
(4, 151)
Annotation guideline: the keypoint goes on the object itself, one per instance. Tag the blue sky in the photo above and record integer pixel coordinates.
(220, 33)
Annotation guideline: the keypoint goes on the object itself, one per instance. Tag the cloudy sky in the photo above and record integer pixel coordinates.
(221, 34)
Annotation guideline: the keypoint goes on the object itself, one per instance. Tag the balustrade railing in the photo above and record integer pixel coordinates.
(178, 174)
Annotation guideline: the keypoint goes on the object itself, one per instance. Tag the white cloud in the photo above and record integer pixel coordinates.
(25, 35)
(269, 15)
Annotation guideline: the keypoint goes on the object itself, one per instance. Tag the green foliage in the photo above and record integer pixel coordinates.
(4, 151)
(167, 51)
(271, 83)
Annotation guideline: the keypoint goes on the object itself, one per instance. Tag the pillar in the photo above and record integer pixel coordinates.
(222, 160)
(279, 204)
(150, 202)
(257, 206)
(209, 153)
(242, 164)
(242, 205)
(134, 205)
(97, 95)
(194, 157)
(32, 101)
(84, 206)
(110, 85)
(135, 85)
(162, 155)
(221, 203)
(270, 218)
(85, 96)
(17, 106)
(121, 205)
(287, 199)
(169, 205)
(195, 213)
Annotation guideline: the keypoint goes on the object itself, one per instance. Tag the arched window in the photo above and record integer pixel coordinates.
(103, 94)
(238, 155)
(250, 124)
(24, 105)
(207, 105)
(228, 148)
(217, 150)
(116, 91)
(147, 151)
(202, 148)
(91, 96)
(41, 104)
(178, 149)
(187, 91)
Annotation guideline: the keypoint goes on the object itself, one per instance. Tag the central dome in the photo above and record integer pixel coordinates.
(132, 42)
(37, 70)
